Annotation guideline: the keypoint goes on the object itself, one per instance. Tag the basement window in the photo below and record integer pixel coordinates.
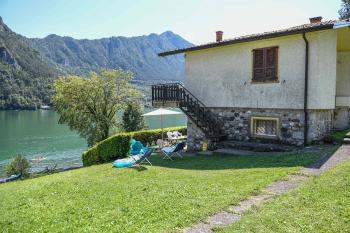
(265, 127)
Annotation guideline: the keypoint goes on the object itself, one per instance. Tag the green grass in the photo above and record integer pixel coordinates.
(321, 205)
(339, 135)
(165, 197)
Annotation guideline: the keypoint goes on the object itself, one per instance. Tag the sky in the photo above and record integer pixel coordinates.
(195, 20)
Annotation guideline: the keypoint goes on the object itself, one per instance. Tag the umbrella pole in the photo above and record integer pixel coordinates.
(161, 126)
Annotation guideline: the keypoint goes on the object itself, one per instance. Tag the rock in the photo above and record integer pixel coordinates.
(6, 57)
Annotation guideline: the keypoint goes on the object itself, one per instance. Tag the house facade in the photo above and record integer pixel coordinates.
(289, 86)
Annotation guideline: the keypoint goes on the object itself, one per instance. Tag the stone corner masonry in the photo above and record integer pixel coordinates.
(290, 128)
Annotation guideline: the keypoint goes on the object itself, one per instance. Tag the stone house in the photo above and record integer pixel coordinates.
(289, 86)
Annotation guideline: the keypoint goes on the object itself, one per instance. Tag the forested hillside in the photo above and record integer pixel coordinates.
(25, 80)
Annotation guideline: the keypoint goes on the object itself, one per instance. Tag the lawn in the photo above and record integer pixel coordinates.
(164, 197)
(340, 135)
(322, 205)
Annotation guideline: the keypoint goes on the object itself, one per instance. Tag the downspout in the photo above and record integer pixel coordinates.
(306, 125)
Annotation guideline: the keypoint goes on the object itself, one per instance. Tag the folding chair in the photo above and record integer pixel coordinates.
(170, 152)
(144, 158)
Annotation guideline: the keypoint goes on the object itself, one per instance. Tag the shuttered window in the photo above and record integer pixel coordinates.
(265, 63)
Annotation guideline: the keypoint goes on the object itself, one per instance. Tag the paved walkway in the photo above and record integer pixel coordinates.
(234, 213)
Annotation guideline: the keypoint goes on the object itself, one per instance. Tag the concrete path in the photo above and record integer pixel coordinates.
(234, 213)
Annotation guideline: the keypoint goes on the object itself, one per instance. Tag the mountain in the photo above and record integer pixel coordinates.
(137, 54)
(28, 66)
(25, 79)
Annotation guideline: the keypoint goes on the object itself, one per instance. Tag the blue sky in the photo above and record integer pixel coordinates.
(195, 20)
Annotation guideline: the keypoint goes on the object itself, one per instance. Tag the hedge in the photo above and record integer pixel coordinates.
(118, 145)
(151, 136)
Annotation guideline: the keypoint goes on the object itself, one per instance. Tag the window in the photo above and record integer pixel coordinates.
(265, 64)
(264, 127)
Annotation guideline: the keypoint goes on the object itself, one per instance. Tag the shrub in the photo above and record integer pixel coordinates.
(114, 147)
(90, 157)
(118, 145)
(19, 165)
(132, 117)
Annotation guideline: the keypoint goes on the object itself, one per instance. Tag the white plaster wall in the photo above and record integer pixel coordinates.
(343, 74)
(323, 69)
(341, 119)
(221, 77)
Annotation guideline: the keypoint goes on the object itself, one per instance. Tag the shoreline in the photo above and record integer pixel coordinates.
(45, 172)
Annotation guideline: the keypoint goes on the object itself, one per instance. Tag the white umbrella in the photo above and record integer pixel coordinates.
(162, 112)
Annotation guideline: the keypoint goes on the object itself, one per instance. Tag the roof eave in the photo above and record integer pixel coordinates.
(248, 39)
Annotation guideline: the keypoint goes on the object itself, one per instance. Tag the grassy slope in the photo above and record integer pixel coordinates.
(166, 196)
(322, 205)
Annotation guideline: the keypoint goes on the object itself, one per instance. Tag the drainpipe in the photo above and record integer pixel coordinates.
(306, 126)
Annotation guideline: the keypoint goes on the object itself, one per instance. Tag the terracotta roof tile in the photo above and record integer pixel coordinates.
(259, 36)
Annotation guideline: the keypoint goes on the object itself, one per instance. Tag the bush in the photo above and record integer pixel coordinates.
(19, 165)
(91, 157)
(114, 147)
(118, 145)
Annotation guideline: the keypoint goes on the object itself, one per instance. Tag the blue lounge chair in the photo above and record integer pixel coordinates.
(134, 160)
(144, 158)
(170, 152)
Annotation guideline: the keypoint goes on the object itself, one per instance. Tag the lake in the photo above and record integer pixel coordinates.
(38, 136)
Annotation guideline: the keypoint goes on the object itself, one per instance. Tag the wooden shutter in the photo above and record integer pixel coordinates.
(265, 63)
(258, 65)
(271, 63)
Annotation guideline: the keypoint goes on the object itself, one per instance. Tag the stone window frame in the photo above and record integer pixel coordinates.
(253, 120)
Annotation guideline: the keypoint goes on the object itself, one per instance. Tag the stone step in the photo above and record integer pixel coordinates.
(347, 135)
(208, 152)
(254, 146)
(346, 140)
(228, 151)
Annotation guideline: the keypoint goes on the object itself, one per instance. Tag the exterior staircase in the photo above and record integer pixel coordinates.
(346, 140)
(176, 95)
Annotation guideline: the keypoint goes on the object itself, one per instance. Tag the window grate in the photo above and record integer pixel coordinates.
(264, 127)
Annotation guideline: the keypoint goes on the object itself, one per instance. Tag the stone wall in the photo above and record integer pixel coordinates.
(341, 118)
(320, 124)
(237, 124)
(291, 125)
(195, 137)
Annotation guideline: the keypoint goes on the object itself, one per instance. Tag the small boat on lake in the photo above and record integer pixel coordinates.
(38, 158)
(45, 107)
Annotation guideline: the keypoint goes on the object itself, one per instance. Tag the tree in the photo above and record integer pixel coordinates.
(89, 105)
(344, 11)
(18, 166)
(132, 117)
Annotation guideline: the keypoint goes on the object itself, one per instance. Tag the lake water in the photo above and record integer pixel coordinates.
(37, 135)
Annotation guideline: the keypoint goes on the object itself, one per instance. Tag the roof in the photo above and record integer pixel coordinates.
(311, 27)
